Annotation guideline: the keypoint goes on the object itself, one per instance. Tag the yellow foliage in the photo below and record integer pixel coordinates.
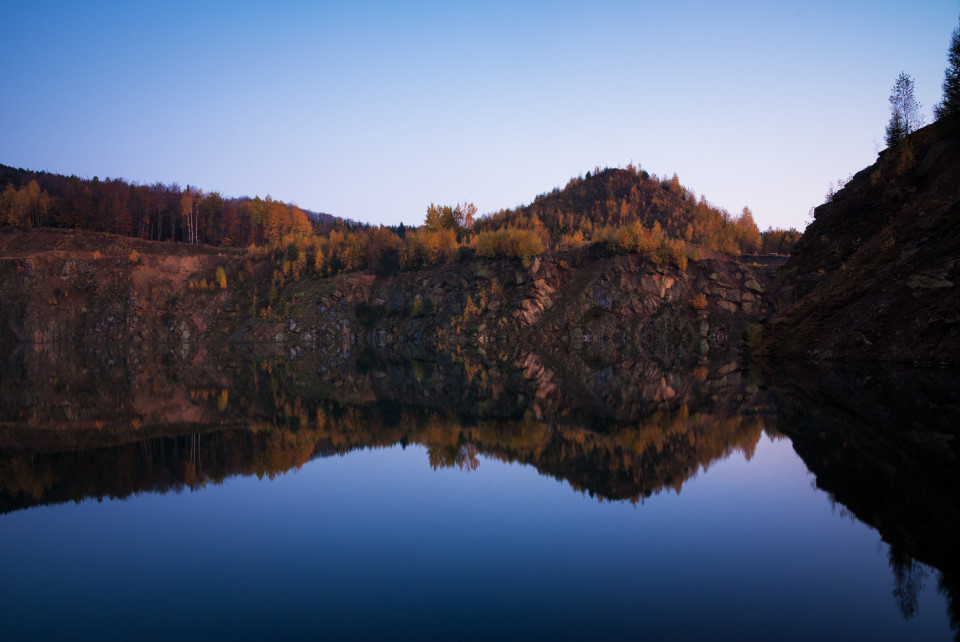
(221, 278)
(510, 242)
(470, 308)
(424, 247)
(571, 241)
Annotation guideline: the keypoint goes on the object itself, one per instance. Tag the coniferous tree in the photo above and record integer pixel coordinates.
(905, 116)
(894, 130)
(950, 106)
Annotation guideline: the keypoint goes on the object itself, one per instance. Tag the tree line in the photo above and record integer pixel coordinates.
(617, 210)
(157, 212)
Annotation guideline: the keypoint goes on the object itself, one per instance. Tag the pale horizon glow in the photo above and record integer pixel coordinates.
(371, 111)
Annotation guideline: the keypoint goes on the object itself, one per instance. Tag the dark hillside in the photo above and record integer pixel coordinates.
(875, 275)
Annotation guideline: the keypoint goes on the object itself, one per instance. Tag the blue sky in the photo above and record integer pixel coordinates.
(374, 110)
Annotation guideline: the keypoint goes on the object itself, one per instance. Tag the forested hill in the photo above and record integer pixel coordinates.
(615, 198)
(157, 212)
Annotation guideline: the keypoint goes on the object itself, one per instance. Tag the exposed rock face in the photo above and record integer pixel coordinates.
(64, 286)
(604, 310)
(876, 276)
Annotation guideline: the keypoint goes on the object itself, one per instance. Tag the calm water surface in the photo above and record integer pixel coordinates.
(294, 512)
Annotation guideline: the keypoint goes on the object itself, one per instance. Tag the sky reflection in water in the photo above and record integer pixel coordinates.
(377, 543)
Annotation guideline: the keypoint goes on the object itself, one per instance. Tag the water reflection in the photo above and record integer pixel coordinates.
(112, 423)
(884, 443)
(78, 423)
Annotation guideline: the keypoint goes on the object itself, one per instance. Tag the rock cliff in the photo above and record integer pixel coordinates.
(75, 287)
(876, 276)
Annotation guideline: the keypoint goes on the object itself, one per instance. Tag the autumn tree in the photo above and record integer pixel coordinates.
(510, 242)
(778, 241)
(383, 250)
(25, 207)
(189, 206)
(950, 105)
(748, 235)
(425, 247)
(13, 208)
(38, 203)
(220, 276)
(458, 218)
(210, 218)
(905, 116)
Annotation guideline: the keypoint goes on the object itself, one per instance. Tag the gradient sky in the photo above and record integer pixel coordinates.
(373, 110)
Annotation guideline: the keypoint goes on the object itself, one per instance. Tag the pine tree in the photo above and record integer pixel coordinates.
(950, 106)
(894, 130)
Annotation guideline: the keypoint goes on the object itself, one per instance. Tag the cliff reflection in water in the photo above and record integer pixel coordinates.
(886, 445)
(112, 422)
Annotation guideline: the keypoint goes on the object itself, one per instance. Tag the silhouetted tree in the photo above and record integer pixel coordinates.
(905, 116)
(950, 105)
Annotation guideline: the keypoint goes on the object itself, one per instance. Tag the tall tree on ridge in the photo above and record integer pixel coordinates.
(905, 116)
(950, 105)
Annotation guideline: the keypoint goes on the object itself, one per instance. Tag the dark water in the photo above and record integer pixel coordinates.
(207, 492)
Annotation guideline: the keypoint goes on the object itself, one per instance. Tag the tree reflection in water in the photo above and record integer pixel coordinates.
(111, 422)
(885, 443)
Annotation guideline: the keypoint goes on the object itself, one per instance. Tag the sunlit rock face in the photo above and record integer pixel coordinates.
(583, 302)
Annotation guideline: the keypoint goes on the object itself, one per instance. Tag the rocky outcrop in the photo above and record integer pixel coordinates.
(603, 309)
(64, 286)
(876, 276)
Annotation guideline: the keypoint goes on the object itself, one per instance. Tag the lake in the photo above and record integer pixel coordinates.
(248, 492)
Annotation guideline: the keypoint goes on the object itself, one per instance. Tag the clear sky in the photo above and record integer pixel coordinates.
(373, 110)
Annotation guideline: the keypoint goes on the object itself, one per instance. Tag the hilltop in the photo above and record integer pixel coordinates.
(875, 276)
(614, 198)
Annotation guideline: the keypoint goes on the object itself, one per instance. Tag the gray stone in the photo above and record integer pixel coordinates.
(728, 306)
(927, 282)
